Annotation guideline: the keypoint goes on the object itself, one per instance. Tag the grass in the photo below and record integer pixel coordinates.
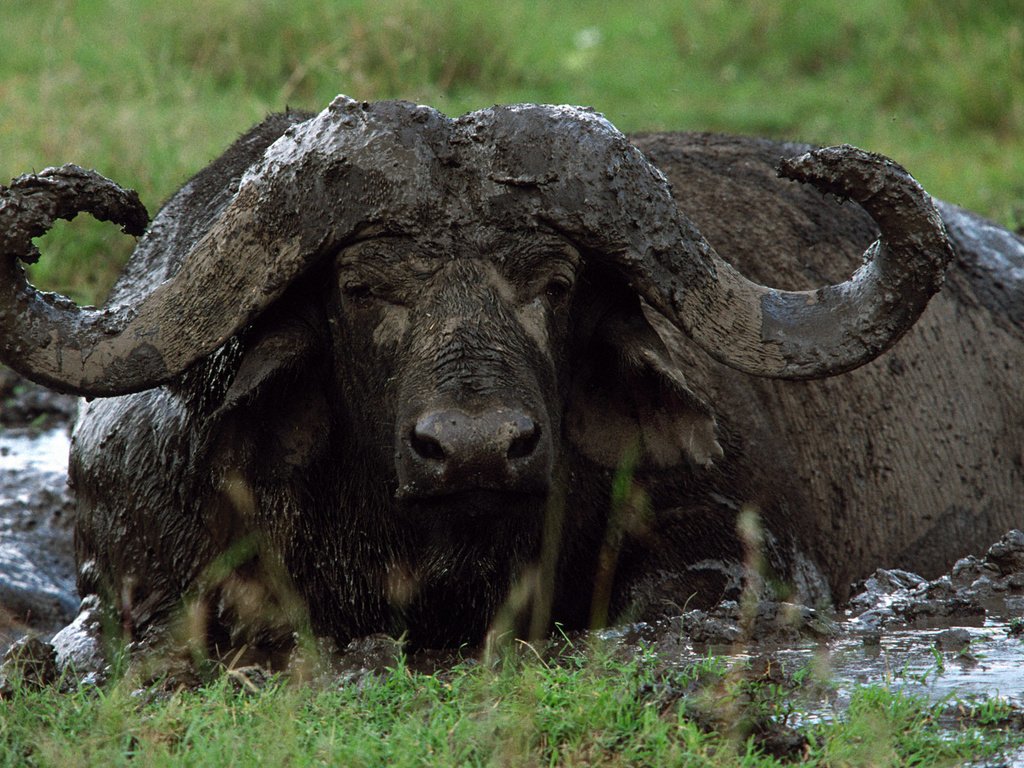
(148, 92)
(587, 709)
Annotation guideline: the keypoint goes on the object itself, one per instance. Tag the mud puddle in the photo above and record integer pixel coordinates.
(911, 661)
(34, 450)
(37, 575)
(920, 662)
(953, 663)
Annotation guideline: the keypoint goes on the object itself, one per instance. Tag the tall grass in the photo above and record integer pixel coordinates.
(148, 92)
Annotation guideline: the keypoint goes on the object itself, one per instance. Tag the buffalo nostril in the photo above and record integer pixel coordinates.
(448, 450)
(525, 442)
(454, 439)
(425, 445)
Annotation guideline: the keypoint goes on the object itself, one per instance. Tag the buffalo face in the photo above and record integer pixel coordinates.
(490, 382)
(465, 354)
(471, 339)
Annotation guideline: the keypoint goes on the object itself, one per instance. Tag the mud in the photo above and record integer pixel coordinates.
(975, 590)
(37, 574)
(30, 407)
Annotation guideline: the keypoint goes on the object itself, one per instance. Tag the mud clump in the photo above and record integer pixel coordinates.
(976, 588)
(766, 622)
(29, 663)
(953, 640)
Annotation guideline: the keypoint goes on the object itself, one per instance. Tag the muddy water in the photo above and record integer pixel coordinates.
(29, 450)
(968, 663)
(910, 660)
(37, 582)
(914, 660)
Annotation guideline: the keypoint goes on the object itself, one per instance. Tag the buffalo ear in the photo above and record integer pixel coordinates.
(630, 395)
(278, 349)
(269, 356)
(274, 413)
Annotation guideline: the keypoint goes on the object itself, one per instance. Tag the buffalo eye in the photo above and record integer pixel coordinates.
(357, 291)
(557, 290)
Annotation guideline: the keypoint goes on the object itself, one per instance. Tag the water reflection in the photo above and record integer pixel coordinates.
(24, 449)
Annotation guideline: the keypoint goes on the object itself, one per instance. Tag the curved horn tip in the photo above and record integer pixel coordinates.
(34, 201)
(846, 171)
(103, 198)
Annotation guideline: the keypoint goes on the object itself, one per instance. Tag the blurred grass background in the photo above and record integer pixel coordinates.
(148, 92)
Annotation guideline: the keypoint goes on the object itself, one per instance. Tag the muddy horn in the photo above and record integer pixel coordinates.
(395, 165)
(283, 218)
(601, 190)
(115, 350)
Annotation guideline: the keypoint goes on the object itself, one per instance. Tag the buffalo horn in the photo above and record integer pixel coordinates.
(602, 191)
(405, 168)
(284, 217)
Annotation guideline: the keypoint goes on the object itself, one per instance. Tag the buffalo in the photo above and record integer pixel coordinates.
(380, 370)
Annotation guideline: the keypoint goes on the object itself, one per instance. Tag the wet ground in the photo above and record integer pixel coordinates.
(37, 582)
(956, 636)
(960, 636)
